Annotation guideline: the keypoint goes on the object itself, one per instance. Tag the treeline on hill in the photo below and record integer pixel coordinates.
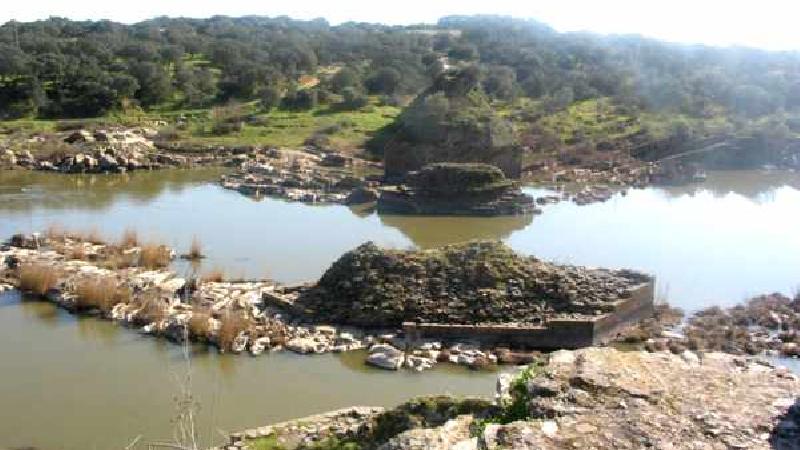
(59, 68)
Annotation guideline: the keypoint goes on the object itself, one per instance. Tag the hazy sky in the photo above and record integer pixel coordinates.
(768, 24)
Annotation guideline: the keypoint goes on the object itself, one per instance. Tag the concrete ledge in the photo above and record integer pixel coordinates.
(556, 333)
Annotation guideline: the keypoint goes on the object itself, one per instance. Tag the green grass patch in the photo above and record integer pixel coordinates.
(265, 443)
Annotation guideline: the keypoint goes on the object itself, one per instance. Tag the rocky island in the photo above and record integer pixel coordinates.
(462, 189)
(480, 291)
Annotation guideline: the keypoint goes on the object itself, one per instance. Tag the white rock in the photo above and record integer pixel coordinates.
(384, 361)
(549, 428)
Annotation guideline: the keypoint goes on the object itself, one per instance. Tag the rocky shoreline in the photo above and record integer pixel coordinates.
(763, 325)
(589, 398)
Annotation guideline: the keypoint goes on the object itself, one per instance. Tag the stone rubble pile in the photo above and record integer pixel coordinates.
(479, 282)
(768, 324)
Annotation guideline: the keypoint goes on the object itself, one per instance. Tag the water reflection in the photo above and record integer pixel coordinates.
(23, 190)
(756, 185)
(427, 232)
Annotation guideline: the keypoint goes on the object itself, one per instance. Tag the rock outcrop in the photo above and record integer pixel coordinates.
(480, 282)
(603, 398)
(597, 398)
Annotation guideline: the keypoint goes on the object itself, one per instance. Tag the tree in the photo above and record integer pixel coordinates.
(269, 97)
(345, 78)
(155, 85)
(501, 82)
(385, 80)
(353, 98)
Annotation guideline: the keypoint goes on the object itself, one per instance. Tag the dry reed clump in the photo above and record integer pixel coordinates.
(151, 308)
(195, 250)
(100, 293)
(116, 259)
(77, 251)
(231, 324)
(92, 236)
(154, 256)
(37, 278)
(213, 276)
(55, 233)
(198, 326)
(130, 239)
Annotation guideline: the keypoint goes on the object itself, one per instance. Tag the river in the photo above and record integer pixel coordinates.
(71, 383)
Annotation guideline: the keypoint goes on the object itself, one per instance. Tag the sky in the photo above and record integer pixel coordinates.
(769, 24)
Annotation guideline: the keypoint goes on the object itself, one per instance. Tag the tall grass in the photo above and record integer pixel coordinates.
(37, 278)
(101, 293)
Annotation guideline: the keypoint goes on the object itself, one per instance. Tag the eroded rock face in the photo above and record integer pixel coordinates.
(603, 398)
(481, 282)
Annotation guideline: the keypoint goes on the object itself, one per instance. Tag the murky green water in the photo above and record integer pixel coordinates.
(82, 384)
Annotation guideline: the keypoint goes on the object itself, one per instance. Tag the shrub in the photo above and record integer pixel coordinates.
(77, 251)
(195, 250)
(151, 308)
(198, 326)
(213, 276)
(154, 256)
(37, 278)
(231, 325)
(100, 293)
(130, 238)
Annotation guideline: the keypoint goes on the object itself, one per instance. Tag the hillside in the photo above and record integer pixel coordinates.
(508, 83)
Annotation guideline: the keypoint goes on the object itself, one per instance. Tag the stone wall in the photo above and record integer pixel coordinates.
(559, 333)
